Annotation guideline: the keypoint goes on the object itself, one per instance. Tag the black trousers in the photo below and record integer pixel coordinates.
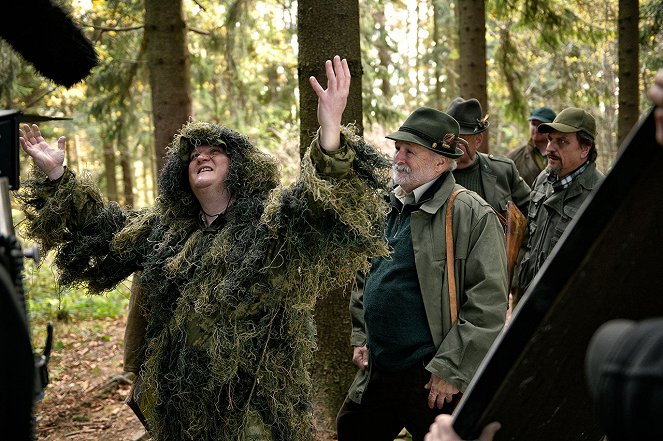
(391, 401)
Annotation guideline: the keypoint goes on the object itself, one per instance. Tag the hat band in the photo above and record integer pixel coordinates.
(479, 124)
(426, 137)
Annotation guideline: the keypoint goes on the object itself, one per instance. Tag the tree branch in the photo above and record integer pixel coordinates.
(198, 31)
(108, 28)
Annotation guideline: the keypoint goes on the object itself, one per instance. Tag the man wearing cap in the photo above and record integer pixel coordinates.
(531, 159)
(413, 361)
(570, 177)
(494, 178)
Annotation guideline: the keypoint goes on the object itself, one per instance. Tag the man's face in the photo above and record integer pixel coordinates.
(470, 151)
(208, 167)
(537, 138)
(565, 153)
(414, 165)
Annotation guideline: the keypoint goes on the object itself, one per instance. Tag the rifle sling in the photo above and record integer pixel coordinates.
(451, 272)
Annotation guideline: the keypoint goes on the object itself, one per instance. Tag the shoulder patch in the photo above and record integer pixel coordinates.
(500, 158)
(469, 197)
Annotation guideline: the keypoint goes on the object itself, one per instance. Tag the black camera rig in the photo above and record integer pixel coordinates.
(23, 374)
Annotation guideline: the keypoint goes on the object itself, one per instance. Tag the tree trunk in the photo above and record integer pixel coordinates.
(472, 49)
(109, 168)
(168, 61)
(127, 169)
(628, 68)
(323, 33)
(384, 55)
(72, 154)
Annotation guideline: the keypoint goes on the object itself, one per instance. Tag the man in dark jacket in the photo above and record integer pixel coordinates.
(494, 178)
(413, 357)
(560, 190)
(531, 159)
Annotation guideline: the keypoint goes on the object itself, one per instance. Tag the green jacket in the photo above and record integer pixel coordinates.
(548, 216)
(524, 158)
(481, 280)
(502, 183)
(230, 331)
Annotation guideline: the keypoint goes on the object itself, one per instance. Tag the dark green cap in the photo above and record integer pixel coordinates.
(543, 114)
(570, 120)
(432, 129)
(469, 115)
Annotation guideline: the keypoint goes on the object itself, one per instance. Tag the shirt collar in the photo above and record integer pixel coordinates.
(562, 184)
(414, 196)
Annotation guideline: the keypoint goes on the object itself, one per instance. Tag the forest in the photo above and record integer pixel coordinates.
(245, 64)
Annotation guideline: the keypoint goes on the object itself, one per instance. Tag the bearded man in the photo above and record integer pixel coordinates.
(431, 309)
(559, 190)
(495, 178)
(530, 159)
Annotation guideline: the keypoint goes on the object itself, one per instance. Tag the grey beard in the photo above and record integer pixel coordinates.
(396, 173)
(401, 168)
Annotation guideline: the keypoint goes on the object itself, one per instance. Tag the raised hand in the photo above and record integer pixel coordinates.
(49, 160)
(332, 101)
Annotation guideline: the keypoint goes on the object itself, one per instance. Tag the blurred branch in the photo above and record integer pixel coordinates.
(109, 28)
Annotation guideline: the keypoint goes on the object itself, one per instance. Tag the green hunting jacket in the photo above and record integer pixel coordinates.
(229, 308)
(481, 281)
(524, 158)
(502, 183)
(548, 216)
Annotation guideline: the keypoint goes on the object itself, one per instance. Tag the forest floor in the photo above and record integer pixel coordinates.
(85, 397)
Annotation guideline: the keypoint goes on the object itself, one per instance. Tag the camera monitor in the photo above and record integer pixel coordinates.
(9, 168)
(9, 143)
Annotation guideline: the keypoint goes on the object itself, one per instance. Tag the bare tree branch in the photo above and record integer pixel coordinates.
(199, 5)
(109, 28)
(199, 31)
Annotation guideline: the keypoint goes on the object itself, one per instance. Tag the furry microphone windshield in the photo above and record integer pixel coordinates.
(48, 39)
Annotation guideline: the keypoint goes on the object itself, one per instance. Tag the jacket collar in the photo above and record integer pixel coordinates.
(440, 196)
(488, 177)
(586, 181)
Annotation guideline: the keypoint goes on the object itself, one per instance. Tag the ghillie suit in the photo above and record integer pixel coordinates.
(230, 331)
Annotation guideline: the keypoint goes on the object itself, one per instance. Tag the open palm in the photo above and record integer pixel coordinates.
(50, 160)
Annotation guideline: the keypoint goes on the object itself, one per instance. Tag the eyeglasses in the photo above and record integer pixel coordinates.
(211, 152)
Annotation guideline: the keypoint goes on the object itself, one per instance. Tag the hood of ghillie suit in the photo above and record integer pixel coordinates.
(251, 173)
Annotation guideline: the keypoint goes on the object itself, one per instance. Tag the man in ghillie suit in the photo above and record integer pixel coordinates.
(230, 265)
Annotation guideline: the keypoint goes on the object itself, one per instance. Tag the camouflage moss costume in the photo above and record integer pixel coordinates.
(230, 331)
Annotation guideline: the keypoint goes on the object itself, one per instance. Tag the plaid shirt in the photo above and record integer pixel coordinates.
(561, 184)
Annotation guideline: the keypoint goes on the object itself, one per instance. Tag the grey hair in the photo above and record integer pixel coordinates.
(452, 164)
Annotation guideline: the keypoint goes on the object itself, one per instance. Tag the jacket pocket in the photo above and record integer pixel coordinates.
(535, 204)
(568, 213)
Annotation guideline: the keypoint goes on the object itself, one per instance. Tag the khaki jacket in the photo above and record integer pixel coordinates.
(481, 280)
(548, 216)
(527, 166)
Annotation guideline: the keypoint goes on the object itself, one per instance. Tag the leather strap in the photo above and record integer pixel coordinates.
(451, 271)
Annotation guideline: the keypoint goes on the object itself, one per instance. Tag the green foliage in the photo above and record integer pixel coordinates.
(48, 301)
(244, 71)
(244, 68)
(651, 34)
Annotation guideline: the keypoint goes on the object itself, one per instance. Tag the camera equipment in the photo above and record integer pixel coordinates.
(23, 375)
